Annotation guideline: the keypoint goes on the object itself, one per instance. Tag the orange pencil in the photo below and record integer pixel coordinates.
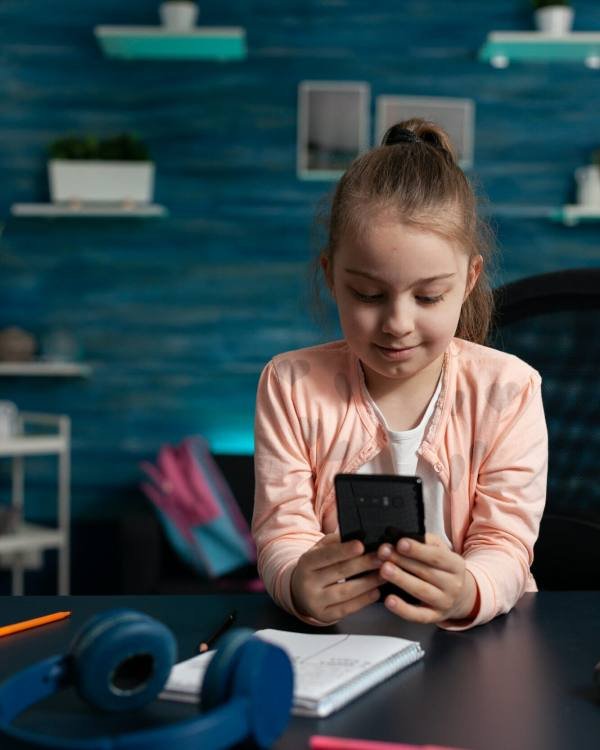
(27, 624)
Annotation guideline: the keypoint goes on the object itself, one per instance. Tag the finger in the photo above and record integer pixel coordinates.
(436, 556)
(343, 609)
(421, 570)
(387, 552)
(338, 594)
(331, 553)
(328, 539)
(411, 612)
(343, 591)
(348, 568)
(362, 564)
(424, 591)
(435, 540)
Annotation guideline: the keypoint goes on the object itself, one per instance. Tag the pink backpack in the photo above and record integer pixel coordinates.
(197, 509)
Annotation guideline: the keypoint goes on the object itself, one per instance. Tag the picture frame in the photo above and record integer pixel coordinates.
(455, 115)
(333, 127)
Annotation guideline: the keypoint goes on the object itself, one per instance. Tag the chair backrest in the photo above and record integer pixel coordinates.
(552, 321)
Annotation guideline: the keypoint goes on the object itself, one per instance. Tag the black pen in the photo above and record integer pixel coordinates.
(227, 623)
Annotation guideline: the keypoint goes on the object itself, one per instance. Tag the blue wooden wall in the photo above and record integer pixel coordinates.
(179, 315)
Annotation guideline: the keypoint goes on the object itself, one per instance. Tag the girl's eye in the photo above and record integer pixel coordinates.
(367, 297)
(430, 300)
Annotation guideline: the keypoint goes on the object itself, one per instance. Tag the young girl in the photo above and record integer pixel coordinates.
(410, 390)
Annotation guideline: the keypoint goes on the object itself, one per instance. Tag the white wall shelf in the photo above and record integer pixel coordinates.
(519, 211)
(572, 214)
(28, 536)
(25, 543)
(503, 47)
(81, 210)
(569, 215)
(45, 369)
(32, 445)
(156, 42)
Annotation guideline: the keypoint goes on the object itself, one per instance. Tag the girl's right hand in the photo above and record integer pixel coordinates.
(320, 585)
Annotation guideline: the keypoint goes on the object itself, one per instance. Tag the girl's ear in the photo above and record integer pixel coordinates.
(326, 265)
(475, 268)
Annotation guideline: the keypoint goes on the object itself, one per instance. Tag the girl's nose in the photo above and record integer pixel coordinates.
(399, 320)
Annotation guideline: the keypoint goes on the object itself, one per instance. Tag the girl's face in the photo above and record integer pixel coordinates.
(399, 292)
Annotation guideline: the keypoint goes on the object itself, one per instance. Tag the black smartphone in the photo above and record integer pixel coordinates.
(380, 508)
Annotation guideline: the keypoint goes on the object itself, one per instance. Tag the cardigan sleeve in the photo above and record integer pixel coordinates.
(508, 505)
(284, 522)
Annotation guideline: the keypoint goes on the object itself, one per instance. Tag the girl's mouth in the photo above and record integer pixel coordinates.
(396, 353)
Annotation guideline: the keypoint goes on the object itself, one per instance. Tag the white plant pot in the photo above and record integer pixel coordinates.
(554, 19)
(88, 181)
(588, 185)
(178, 16)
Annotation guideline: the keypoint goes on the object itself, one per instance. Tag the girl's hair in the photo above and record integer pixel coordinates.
(414, 175)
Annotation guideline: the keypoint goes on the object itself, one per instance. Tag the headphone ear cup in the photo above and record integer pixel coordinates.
(216, 685)
(121, 659)
(264, 676)
(261, 673)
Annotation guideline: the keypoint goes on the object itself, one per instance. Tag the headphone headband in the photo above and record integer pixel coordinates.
(248, 687)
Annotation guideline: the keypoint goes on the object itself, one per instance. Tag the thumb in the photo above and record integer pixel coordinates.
(328, 539)
(434, 540)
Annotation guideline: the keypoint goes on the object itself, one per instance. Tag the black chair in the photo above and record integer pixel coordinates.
(552, 321)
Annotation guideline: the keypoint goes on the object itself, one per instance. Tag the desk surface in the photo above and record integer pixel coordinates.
(521, 682)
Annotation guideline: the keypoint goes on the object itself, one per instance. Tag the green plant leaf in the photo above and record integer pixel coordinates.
(123, 147)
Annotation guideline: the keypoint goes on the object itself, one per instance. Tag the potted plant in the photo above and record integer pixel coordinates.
(553, 16)
(588, 182)
(178, 15)
(85, 169)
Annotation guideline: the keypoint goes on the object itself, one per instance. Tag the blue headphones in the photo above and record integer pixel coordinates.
(121, 659)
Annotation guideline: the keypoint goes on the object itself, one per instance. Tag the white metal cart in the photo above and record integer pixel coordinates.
(28, 538)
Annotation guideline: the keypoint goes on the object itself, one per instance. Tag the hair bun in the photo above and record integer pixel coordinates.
(433, 139)
(417, 130)
(399, 134)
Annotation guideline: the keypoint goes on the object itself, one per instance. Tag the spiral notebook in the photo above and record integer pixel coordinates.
(329, 670)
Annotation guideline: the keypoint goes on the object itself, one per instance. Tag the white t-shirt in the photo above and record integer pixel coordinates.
(400, 457)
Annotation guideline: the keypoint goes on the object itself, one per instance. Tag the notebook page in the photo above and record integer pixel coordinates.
(323, 663)
(329, 670)
(186, 676)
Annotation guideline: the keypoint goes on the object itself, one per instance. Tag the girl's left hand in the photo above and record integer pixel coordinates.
(433, 574)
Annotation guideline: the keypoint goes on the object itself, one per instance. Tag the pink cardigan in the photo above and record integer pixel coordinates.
(487, 440)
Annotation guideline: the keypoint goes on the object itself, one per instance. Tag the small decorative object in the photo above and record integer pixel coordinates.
(16, 345)
(84, 169)
(9, 420)
(553, 16)
(178, 15)
(588, 182)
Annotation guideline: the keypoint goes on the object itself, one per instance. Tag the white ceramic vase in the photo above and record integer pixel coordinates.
(588, 185)
(554, 19)
(178, 15)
